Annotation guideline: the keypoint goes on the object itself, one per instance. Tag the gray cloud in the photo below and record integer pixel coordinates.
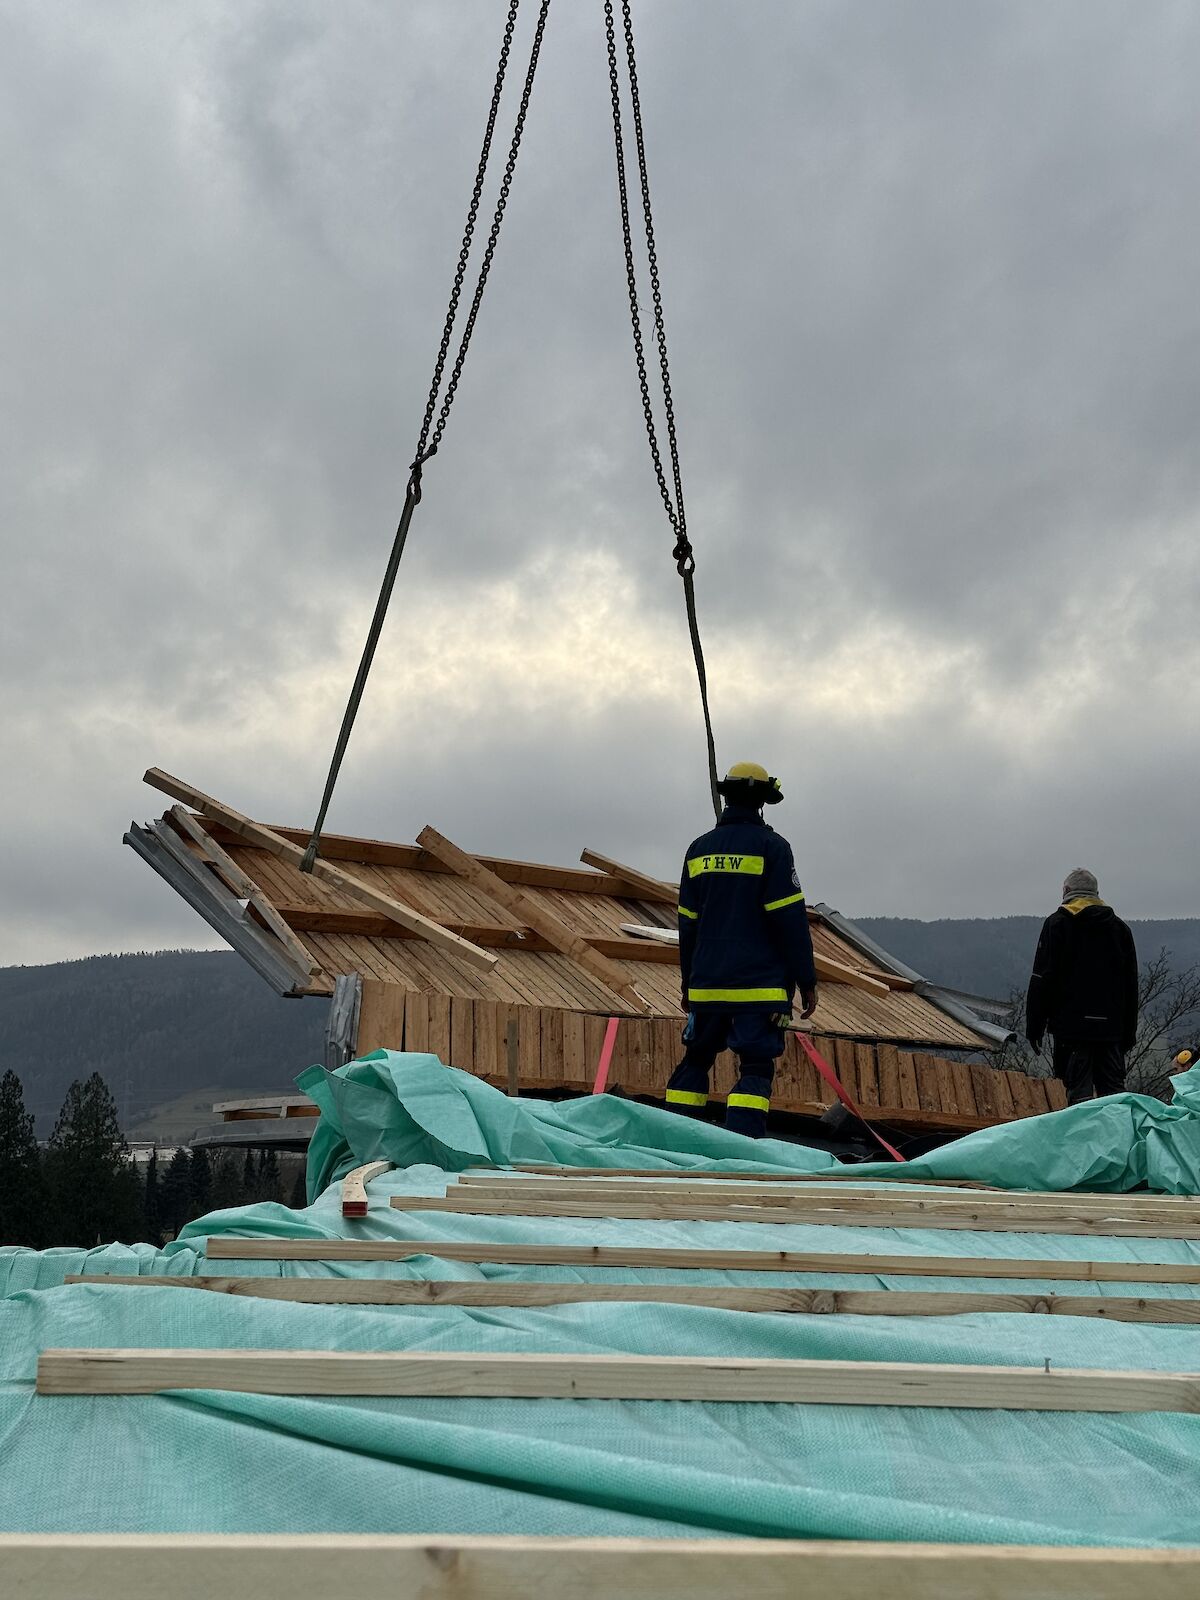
(930, 277)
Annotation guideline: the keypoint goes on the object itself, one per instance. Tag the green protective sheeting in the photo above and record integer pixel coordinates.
(409, 1108)
(205, 1461)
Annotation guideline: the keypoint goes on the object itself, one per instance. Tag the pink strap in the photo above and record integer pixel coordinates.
(831, 1078)
(606, 1054)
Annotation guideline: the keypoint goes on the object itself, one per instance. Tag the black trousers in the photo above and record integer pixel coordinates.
(1089, 1068)
(757, 1040)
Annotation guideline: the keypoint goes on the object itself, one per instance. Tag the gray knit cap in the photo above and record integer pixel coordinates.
(1079, 882)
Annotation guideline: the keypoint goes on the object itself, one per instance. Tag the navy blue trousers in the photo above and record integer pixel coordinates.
(757, 1040)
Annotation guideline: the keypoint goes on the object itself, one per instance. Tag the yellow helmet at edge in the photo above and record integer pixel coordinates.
(750, 777)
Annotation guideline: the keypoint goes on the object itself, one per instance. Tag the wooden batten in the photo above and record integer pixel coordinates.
(441, 1566)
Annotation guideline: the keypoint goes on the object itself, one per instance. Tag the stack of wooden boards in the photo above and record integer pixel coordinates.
(446, 1566)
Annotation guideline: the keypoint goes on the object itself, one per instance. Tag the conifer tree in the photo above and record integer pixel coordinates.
(95, 1194)
(268, 1177)
(249, 1178)
(150, 1199)
(200, 1185)
(226, 1182)
(174, 1193)
(22, 1185)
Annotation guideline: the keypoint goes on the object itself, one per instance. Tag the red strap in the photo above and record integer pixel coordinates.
(606, 1054)
(831, 1078)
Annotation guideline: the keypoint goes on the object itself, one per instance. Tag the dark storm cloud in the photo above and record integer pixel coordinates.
(930, 277)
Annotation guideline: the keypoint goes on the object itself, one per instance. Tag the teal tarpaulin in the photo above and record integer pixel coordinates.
(228, 1462)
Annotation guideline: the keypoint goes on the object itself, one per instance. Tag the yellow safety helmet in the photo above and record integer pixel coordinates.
(749, 779)
(1187, 1057)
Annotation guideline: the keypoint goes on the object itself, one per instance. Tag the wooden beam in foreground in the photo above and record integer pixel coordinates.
(828, 1175)
(817, 1214)
(808, 1302)
(265, 839)
(838, 1196)
(529, 911)
(439, 1566)
(552, 1376)
(225, 1247)
(354, 1187)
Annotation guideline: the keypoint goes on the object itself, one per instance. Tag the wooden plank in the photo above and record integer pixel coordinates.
(527, 910)
(380, 1017)
(821, 1214)
(1006, 1108)
(887, 1059)
(243, 886)
(1018, 1083)
(964, 1091)
(825, 1175)
(845, 1064)
(439, 1026)
(910, 1099)
(551, 1062)
(947, 1091)
(1169, 1209)
(266, 839)
(831, 971)
(226, 1247)
(416, 1022)
(1037, 1096)
(645, 887)
(354, 1187)
(574, 1066)
(486, 935)
(1056, 1094)
(454, 1567)
(804, 1302)
(462, 1034)
(929, 1088)
(984, 1090)
(868, 1075)
(512, 1053)
(547, 1375)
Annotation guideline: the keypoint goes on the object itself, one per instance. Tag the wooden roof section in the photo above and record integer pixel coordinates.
(432, 918)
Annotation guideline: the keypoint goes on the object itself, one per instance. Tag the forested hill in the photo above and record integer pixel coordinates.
(154, 1026)
(158, 1027)
(992, 955)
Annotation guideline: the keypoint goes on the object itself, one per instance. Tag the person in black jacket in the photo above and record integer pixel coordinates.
(744, 950)
(1084, 991)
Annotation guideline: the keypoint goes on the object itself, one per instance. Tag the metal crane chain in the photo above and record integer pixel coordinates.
(685, 560)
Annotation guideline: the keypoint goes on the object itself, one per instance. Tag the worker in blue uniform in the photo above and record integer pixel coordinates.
(744, 951)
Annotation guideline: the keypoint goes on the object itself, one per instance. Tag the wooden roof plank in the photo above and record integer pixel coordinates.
(640, 882)
(278, 846)
(548, 925)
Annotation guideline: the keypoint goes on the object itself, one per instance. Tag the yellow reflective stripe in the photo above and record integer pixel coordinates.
(684, 912)
(749, 1102)
(685, 1097)
(788, 900)
(767, 996)
(746, 866)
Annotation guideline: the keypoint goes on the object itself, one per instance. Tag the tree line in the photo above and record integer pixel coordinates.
(84, 1188)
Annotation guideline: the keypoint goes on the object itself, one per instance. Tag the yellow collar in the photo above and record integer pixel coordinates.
(1081, 903)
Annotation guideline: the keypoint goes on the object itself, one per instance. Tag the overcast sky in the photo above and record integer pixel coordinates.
(931, 274)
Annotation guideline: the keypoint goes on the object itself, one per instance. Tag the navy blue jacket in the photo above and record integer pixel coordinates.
(743, 926)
